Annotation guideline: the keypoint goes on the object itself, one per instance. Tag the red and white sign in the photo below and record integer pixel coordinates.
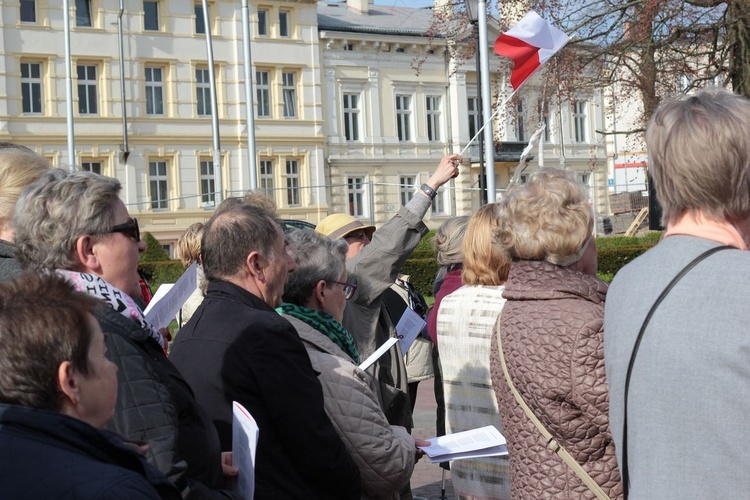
(530, 43)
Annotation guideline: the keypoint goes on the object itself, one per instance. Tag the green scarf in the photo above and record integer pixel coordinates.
(325, 324)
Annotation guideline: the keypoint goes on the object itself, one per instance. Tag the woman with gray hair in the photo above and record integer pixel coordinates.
(314, 299)
(76, 225)
(547, 350)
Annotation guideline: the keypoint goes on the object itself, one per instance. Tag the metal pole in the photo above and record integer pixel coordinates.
(489, 147)
(480, 139)
(214, 105)
(249, 111)
(125, 148)
(69, 87)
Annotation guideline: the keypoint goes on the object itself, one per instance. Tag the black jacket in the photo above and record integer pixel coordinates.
(156, 405)
(237, 348)
(9, 266)
(47, 455)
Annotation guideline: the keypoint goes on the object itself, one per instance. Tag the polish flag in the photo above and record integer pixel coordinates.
(530, 43)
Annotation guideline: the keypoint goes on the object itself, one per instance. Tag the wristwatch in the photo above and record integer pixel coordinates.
(431, 193)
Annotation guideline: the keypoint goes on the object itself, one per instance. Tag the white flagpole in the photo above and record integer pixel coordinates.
(218, 188)
(69, 88)
(249, 110)
(484, 61)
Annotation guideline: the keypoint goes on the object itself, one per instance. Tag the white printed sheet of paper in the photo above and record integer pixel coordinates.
(379, 352)
(408, 328)
(244, 443)
(169, 298)
(481, 442)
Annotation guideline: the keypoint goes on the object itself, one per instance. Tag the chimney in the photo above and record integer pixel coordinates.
(359, 6)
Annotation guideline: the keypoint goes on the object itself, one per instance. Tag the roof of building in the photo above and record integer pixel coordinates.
(336, 16)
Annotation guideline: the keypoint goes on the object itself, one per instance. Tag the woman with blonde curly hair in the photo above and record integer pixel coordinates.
(19, 167)
(188, 250)
(464, 329)
(551, 337)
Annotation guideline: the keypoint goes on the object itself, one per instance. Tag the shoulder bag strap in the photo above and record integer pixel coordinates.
(552, 443)
(624, 473)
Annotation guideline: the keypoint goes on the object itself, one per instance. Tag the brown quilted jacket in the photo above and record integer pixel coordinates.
(552, 333)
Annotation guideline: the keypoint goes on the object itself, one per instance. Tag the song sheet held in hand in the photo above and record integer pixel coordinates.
(482, 442)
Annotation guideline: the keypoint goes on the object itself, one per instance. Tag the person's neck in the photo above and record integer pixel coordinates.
(695, 223)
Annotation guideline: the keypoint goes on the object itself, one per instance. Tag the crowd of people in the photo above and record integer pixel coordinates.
(629, 391)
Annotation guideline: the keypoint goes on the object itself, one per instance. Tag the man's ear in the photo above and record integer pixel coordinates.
(256, 265)
(85, 253)
(67, 379)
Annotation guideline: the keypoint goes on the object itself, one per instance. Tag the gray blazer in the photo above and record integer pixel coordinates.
(689, 402)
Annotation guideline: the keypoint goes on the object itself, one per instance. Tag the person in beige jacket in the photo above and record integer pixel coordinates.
(314, 299)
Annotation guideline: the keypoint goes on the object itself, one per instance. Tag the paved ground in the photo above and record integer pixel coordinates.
(426, 479)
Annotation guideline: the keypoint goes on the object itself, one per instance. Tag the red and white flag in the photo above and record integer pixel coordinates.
(530, 43)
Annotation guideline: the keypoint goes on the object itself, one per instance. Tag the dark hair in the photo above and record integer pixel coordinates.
(43, 322)
(231, 234)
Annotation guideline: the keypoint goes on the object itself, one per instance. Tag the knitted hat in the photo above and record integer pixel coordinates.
(337, 226)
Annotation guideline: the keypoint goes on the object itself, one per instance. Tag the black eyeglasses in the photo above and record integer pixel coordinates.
(358, 235)
(348, 288)
(129, 229)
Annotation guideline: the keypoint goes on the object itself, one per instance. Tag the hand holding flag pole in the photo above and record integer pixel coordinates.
(529, 44)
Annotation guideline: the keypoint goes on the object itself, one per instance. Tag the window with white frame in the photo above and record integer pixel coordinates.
(263, 94)
(433, 117)
(289, 92)
(203, 91)
(403, 117)
(262, 22)
(84, 13)
(406, 188)
(440, 202)
(473, 106)
(200, 21)
(267, 183)
(545, 120)
(351, 116)
(158, 182)
(150, 15)
(520, 122)
(28, 11)
(88, 93)
(292, 183)
(154, 90)
(283, 23)
(579, 121)
(584, 178)
(92, 166)
(208, 184)
(355, 191)
(31, 87)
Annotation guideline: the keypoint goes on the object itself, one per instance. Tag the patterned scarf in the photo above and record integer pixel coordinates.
(115, 298)
(325, 324)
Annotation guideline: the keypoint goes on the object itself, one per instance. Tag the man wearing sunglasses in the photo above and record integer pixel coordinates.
(373, 263)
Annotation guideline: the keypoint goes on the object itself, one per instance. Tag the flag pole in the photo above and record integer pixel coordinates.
(489, 145)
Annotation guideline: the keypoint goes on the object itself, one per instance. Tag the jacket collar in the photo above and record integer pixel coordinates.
(311, 336)
(224, 290)
(540, 280)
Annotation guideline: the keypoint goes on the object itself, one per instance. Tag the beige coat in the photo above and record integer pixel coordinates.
(553, 340)
(383, 453)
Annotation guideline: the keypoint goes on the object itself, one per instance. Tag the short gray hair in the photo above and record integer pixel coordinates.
(699, 155)
(448, 240)
(233, 233)
(317, 257)
(55, 211)
(547, 218)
